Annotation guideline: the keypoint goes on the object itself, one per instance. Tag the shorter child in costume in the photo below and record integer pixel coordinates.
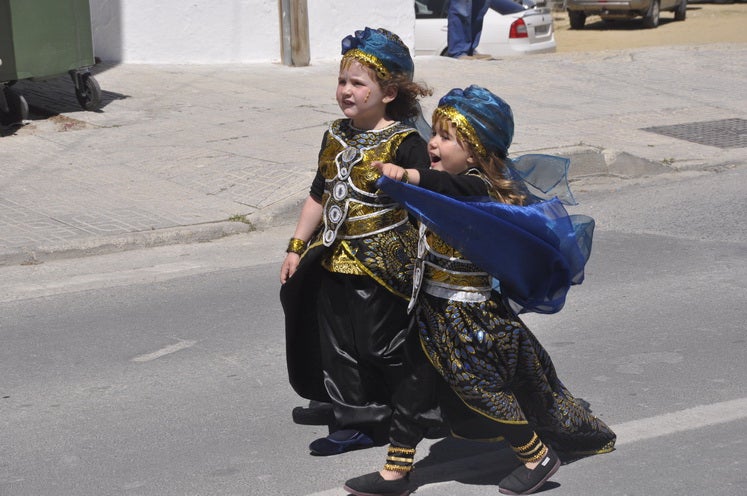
(493, 377)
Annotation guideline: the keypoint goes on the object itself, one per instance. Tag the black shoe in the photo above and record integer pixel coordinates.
(525, 481)
(317, 413)
(340, 442)
(374, 484)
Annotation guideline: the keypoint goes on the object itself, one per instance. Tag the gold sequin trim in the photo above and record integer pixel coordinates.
(398, 468)
(534, 458)
(399, 463)
(368, 59)
(402, 451)
(457, 279)
(342, 260)
(527, 446)
(463, 126)
(525, 455)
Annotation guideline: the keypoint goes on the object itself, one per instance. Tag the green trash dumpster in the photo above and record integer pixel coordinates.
(43, 39)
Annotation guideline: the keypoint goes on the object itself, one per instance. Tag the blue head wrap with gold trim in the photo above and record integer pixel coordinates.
(381, 50)
(482, 118)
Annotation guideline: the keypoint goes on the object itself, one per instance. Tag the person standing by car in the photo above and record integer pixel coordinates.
(464, 27)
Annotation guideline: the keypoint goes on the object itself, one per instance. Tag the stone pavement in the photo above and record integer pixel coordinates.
(191, 153)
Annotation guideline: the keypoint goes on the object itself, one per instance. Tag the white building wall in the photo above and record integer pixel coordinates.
(231, 31)
(331, 20)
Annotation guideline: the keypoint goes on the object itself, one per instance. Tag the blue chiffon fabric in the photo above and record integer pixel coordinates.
(536, 251)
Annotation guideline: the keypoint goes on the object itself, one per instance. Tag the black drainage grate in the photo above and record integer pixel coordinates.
(725, 133)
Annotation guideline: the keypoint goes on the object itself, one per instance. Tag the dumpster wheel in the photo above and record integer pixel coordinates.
(15, 109)
(88, 91)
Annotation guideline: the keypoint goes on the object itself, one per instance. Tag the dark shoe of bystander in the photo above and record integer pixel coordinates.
(525, 481)
(374, 484)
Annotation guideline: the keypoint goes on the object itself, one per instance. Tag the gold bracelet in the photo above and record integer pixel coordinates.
(297, 246)
(405, 177)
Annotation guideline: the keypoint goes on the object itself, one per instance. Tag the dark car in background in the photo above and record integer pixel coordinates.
(611, 10)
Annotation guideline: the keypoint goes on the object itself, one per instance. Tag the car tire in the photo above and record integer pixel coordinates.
(651, 19)
(681, 12)
(577, 19)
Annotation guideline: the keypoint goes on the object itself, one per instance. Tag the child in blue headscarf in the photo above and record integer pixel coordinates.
(493, 377)
(345, 279)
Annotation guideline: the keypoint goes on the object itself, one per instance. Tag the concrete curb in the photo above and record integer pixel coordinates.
(130, 241)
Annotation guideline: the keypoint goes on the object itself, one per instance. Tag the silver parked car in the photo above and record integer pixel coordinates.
(610, 10)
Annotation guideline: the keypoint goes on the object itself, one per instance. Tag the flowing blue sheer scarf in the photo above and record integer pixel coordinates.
(536, 251)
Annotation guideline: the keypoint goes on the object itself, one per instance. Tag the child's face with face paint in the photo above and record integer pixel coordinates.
(361, 97)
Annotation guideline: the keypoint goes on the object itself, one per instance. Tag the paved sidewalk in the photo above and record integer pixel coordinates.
(189, 153)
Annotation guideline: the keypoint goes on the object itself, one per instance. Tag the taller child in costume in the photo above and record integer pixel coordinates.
(346, 278)
(499, 380)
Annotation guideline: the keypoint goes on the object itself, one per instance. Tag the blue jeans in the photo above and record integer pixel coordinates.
(465, 25)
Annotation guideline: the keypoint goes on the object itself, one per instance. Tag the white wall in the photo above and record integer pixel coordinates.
(231, 31)
(331, 20)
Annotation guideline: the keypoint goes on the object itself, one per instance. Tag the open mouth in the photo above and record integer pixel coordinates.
(435, 159)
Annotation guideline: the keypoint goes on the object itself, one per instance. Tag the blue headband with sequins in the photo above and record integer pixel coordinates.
(489, 117)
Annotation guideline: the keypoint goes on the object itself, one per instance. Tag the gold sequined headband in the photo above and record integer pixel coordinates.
(370, 60)
(464, 128)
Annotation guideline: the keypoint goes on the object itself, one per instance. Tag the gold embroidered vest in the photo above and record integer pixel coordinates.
(367, 232)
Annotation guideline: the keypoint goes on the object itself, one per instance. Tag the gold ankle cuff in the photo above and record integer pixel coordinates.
(399, 459)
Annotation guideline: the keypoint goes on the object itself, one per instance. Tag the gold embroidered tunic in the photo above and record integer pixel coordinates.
(367, 233)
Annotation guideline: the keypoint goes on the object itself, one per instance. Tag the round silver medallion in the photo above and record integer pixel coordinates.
(348, 154)
(340, 191)
(335, 214)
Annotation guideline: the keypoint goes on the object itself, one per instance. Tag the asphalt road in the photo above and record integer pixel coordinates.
(161, 372)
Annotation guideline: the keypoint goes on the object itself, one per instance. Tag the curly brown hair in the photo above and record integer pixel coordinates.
(405, 104)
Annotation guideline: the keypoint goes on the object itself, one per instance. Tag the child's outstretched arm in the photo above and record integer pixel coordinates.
(393, 171)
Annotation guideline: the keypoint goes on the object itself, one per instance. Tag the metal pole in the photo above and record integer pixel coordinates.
(285, 32)
(299, 24)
